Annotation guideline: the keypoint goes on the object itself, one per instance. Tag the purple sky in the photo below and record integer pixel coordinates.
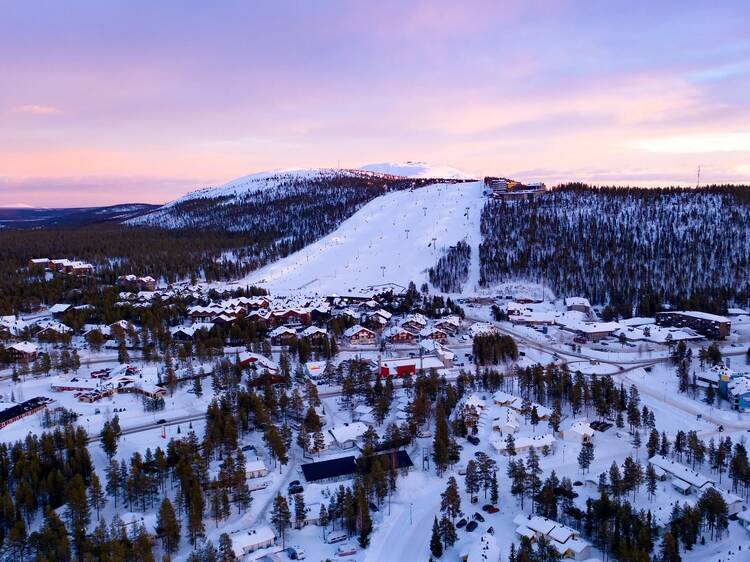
(104, 102)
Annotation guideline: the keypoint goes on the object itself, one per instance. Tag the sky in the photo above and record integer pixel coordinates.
(105, 102)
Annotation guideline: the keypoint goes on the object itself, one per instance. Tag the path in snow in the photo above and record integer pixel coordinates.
(352, 257)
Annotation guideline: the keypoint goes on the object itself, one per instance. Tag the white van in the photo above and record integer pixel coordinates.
(336, 536)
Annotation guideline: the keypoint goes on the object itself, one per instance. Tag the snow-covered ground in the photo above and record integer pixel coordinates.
(418, 170)
(372, 247)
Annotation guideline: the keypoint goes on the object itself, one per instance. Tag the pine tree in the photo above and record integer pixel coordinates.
(169, 527)
(281, 517)
(450, 501)
(494, 492)
(300, 514)
(96, 494)
(670, 551)
(586, 456)
(651, 481)
(447, 532)
(226, 551)
(365, 521)
(472, 479)
(510, 446)
(436, 545)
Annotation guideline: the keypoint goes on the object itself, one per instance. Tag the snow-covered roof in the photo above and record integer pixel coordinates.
(257, 359)
(313, 330)
(357, 329)
(485, 549)
(556, 531)
(479, 328)
(476, 401)
(54, 326)
(282, 330)
(24, 347)
(506, 419)
(425, 362)
(581, 427)
(577, 301)
(59, 308)
(416, 318)
(432, 331)
(255, 465)
(503, 398)
(244, 541)
(348, 432)
(739, 386)
(701, 315)
(596, 327)
(680, 471)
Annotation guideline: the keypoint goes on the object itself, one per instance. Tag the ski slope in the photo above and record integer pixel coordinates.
(372, 247)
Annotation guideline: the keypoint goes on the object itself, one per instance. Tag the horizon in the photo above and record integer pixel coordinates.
(111, 104)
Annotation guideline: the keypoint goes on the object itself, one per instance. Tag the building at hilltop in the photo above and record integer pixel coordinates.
(505, 188)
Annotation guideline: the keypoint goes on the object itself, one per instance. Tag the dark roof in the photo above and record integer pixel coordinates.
(334, 468)
(400, 459)
(22, 408)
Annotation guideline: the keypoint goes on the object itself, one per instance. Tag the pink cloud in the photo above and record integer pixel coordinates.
(35, 109)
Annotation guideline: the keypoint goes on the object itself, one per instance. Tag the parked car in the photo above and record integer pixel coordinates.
(474, 440)
(295, 552)
(491, 530)
(373, 507)
(296, 490)
(346, 550)
(472, 525)
(461, 524)
(489, 508)
(335, 537)
(161, 421)
(478, 517)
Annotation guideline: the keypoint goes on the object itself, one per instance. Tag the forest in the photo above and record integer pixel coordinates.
(452, 269)
(635, 249)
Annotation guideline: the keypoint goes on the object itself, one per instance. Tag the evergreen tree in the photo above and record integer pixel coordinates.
(436, 544)
(281, 517)
(168, 526)
(450, 499)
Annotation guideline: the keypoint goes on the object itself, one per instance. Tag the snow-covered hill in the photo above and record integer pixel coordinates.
(372, 247)
(418, 170)
(272, 183)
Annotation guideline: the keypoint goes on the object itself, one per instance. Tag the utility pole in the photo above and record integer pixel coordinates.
(407, 233)
(699, 177)
(425, 210)
(382, 267)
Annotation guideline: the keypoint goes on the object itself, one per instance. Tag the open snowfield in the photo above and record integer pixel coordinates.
(352, 257)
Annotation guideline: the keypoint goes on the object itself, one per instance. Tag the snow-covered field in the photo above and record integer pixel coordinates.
(372, 247)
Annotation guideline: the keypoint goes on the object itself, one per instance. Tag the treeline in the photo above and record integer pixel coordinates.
(494, 349)
(452, 269)
(633, 248)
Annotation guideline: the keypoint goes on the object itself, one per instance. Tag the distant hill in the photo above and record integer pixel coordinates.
(418, 170)
(23, 218)
(288, 204)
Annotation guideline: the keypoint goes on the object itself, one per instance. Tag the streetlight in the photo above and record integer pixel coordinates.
(382, 267)
(425, 210)
(407, 233)
(411, 504)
